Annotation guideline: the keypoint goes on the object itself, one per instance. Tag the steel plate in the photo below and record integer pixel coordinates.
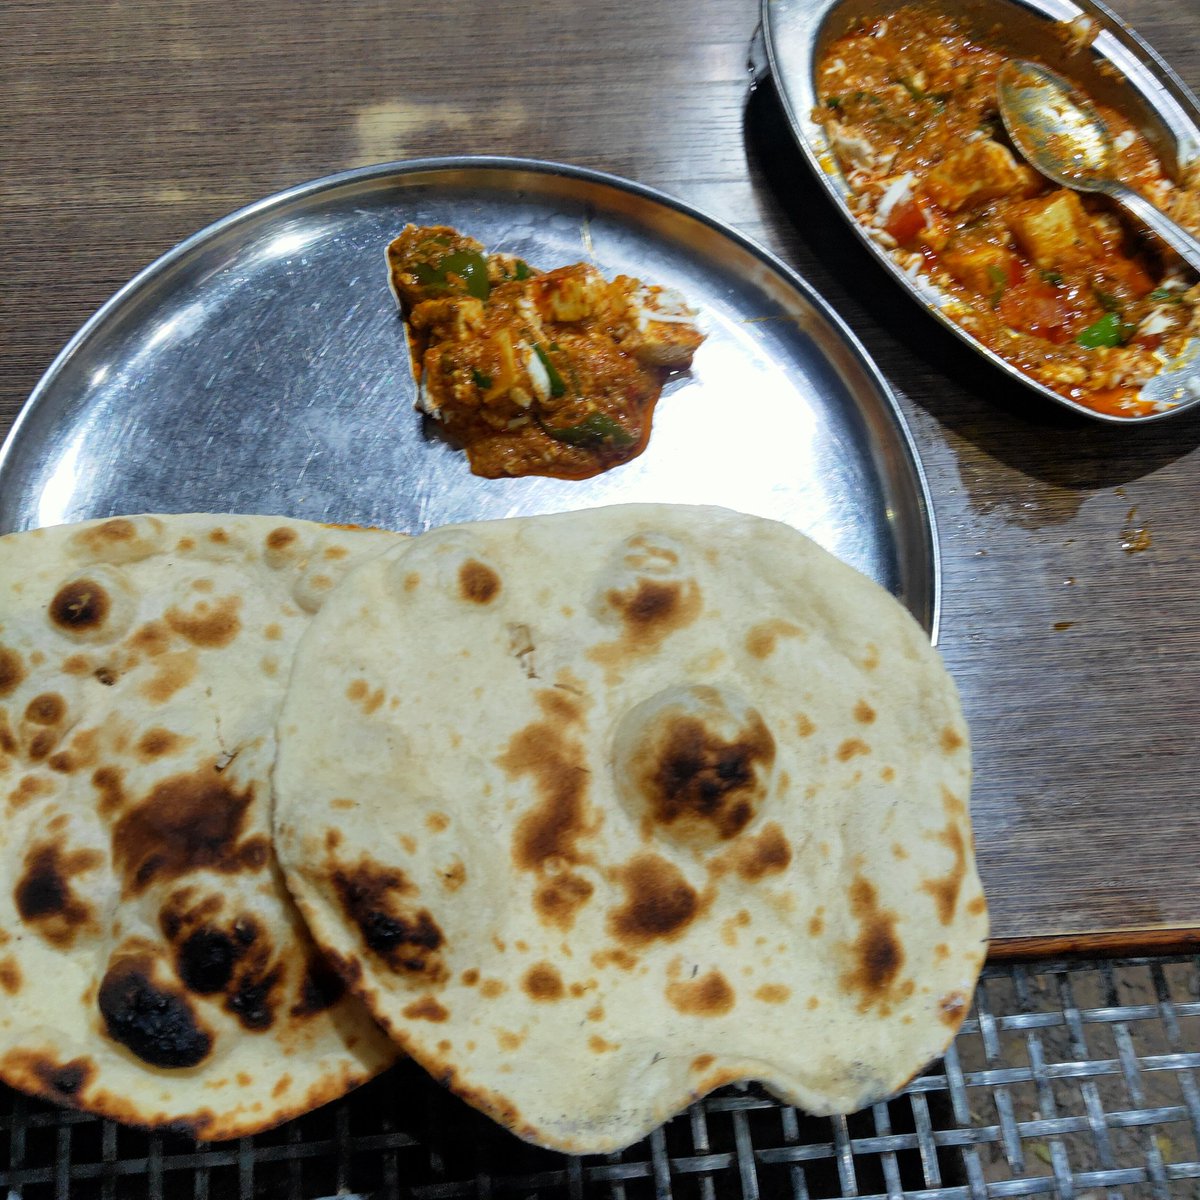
(261, 367)
(1118, 68)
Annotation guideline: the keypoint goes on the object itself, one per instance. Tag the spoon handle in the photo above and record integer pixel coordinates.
(1178, 238)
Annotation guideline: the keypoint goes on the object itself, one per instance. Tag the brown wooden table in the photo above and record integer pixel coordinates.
(129, 126)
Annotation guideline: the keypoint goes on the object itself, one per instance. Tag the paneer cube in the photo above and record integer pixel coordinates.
(978, 172)
(1054, 231)
(654, 324)
(452, 319)
(568, 293)
(501, 357)
(984, 267)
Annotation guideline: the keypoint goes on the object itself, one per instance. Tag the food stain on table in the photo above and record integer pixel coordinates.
(1011, 494)
(395, 129)
(1134, 537)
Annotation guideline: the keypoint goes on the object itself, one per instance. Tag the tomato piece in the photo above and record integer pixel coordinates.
(1012, 273)
(905, 221)
(1034, 306)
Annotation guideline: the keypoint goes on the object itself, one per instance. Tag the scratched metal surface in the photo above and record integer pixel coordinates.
(261, 367)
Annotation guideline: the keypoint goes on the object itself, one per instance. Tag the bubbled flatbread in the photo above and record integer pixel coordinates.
(152, 966)
(601, 811)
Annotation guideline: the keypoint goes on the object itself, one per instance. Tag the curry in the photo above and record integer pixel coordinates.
(531, 372)
(1057, 284)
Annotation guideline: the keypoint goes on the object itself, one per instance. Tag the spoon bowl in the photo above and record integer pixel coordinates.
(1060, 133)
(1055, 128)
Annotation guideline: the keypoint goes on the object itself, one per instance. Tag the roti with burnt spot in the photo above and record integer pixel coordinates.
(600, 811)
(152, 966)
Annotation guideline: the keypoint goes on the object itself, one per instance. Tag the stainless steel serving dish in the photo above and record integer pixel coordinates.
(1118, 68)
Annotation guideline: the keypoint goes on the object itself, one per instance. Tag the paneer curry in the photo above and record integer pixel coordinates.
(1058, 285)
(532, 372)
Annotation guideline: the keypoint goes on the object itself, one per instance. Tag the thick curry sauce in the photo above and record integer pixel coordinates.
(1057, 284)
(532, 372)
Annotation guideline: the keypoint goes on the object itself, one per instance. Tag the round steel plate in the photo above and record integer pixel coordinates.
(261, 367)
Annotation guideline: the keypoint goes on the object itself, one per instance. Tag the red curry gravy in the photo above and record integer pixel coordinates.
(1055, 283)
(531, 372)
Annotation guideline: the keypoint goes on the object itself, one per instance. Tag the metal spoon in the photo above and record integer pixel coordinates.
(1063, 136)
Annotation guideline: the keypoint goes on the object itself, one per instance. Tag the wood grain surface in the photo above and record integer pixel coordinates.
(129, 126)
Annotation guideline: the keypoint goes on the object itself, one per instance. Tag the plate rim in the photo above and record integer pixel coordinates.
(311, 188)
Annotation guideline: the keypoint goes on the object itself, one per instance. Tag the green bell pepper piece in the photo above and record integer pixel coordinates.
(596, 429)
(1110, 330)
(557, 386)
(469, 265)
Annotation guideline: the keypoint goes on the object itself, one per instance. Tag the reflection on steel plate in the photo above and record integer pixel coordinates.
(262, 367)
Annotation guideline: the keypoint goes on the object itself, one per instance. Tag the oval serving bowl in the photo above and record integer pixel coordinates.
(1105, 57)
